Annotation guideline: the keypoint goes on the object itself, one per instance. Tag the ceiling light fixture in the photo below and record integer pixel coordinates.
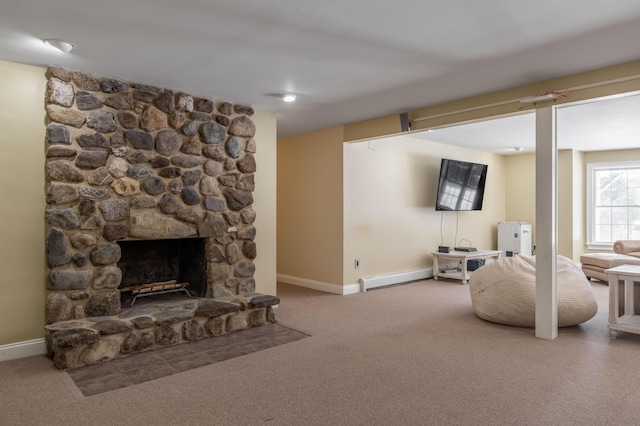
(546, 96)
(518, 148)
(61, 45)
(289, 97)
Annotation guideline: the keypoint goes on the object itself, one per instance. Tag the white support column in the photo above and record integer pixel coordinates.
(546, 224)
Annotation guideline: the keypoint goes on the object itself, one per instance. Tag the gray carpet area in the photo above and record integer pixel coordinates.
(413, 355)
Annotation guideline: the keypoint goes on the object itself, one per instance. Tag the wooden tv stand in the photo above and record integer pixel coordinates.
(462, 256)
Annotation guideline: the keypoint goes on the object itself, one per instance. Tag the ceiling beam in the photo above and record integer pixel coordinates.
(613, 80)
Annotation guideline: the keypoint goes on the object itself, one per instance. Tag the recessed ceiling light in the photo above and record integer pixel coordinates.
(289, 97)
(61, 45)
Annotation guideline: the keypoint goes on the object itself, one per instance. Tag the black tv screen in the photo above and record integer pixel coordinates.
(461, 185)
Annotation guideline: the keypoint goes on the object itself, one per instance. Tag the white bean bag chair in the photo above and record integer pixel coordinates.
(504, 292)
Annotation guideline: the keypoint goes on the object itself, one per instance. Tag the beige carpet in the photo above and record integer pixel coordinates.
(412, 355)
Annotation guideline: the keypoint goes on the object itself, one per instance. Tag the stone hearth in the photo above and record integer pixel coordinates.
(130, 162)
(154, 325)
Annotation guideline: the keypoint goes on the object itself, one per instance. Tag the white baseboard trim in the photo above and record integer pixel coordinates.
(319, 285)
(23, 349)
(401, 277)
(351, 289)
(363, 285)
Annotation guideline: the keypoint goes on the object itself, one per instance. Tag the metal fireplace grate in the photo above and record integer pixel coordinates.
(152, 289)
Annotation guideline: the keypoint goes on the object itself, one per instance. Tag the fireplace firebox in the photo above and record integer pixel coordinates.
(179, 262)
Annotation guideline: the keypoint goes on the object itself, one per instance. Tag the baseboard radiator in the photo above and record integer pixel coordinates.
(398, 278)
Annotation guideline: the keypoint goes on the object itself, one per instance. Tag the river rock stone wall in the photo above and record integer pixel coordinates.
(132, 161)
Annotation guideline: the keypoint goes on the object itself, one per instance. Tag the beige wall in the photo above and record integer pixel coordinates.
(264, 201)
(521, 198)
(310, 207)
(571, 193)
(579, 203)
(390, 221)
(610, 156)
(520, 190)
(520, 186)
(22, 260)
(571, 204)
(390, 224)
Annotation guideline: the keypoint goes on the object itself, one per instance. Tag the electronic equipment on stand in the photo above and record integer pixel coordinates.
(514, 238)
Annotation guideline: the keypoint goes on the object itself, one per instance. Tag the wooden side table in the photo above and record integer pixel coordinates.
(461, 256)
(629, 321)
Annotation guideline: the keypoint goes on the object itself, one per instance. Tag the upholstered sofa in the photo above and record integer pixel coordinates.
(625, 252)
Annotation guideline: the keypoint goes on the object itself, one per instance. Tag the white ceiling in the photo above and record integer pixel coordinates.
(347, 60)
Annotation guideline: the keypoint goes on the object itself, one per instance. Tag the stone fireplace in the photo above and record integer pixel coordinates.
(145, 185)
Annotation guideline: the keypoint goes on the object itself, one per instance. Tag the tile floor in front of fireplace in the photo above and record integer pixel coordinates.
(151, 365)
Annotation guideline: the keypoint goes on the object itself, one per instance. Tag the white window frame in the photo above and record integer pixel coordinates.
(591, 168)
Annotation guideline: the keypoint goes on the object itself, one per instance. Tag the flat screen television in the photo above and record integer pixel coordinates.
(461, 185)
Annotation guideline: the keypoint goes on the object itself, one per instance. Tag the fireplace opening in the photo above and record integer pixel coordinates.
(154, 267)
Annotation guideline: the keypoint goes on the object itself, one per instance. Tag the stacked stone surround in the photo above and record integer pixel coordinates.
(128, 161)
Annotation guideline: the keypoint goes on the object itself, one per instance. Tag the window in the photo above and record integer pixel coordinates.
(613, 203)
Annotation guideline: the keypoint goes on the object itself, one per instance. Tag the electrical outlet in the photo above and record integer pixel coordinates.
(356, 263)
